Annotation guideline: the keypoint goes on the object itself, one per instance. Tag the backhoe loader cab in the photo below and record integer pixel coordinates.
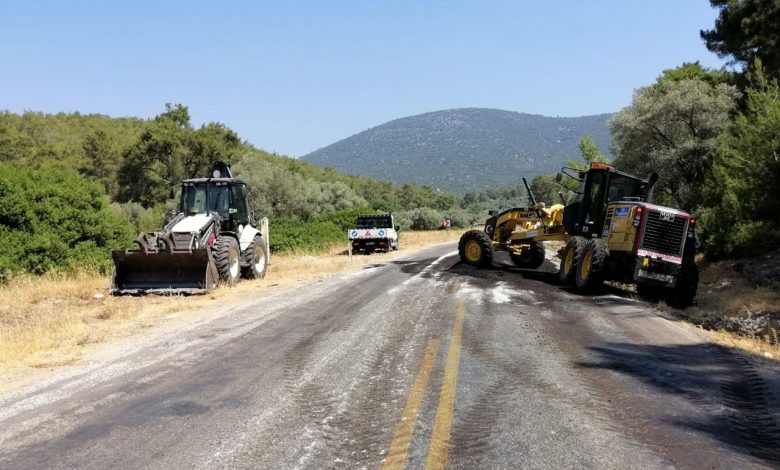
(225, 197)
(612, 232)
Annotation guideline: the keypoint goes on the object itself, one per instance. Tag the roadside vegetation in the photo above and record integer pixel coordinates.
(53, 319)
(73, 187)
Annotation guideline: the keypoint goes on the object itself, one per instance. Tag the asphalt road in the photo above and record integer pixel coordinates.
(422, 362)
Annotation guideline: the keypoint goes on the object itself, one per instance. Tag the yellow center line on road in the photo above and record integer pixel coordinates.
(440, 437)
(399, 447)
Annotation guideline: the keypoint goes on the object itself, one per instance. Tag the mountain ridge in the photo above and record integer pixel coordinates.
(454, 149)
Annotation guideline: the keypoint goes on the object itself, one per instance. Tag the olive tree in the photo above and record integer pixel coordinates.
(672, 128)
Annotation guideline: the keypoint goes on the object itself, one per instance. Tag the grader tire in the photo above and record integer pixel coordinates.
(589, 276)
(532, 258)
(227, 257)
(256, 260)
(476, 248)
(570, 259)
(681, 295)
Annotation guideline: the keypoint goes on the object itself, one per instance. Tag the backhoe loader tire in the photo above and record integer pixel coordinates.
(589, 276)
(256, 260)
(227, 257)
(570, 259)
(476, 249)
(682, 294)
(531, 258)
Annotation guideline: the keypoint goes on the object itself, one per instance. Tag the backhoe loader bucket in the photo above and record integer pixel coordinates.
(163, 272)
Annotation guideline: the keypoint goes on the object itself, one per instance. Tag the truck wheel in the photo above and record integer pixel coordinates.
(570, 259)
(589, 275)
(476, 249)
(256, 259)
(531, 258)
(682, 294)
(227, 257)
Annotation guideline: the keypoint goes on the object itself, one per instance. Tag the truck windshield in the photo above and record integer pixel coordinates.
(622, 187)
(203, 197)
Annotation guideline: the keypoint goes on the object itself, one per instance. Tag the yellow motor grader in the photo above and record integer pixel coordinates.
(612, 232)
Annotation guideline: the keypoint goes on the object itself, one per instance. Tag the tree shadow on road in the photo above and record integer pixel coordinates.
(733, 403)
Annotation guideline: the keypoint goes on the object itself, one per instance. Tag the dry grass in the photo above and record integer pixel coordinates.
(53, 320)
(755, 346)
(734, 310)
(727, 292)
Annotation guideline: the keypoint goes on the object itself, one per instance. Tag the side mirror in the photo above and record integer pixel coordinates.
(172, 195)
(397, 228)
(558, 177)
(491, 212)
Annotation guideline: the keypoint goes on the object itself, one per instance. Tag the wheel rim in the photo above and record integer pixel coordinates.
(568, 260)
(473, 251)
(585, 265)
(234, 266)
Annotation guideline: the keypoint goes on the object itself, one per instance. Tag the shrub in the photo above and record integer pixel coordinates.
(423, 218)
(143, 219)
(319, 233)
(54, 220)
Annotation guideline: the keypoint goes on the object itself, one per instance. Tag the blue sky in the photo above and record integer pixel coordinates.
(294, 76)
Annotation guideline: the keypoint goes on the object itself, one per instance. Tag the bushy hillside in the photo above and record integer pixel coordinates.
(463, 149)
(73, 186)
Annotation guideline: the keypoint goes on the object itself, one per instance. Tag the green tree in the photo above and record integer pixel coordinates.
(672, 128)
(747, 30)
(421, 218)
(169, 150)
(276, 191)
(695, 71)
(102, 160)
(545, 189)
(744, 218)
(52, 219)
(589, 152)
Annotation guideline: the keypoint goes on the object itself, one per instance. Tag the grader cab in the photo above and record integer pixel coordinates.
(611, 231)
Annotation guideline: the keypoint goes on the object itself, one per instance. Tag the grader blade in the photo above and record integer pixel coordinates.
(163, 272)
